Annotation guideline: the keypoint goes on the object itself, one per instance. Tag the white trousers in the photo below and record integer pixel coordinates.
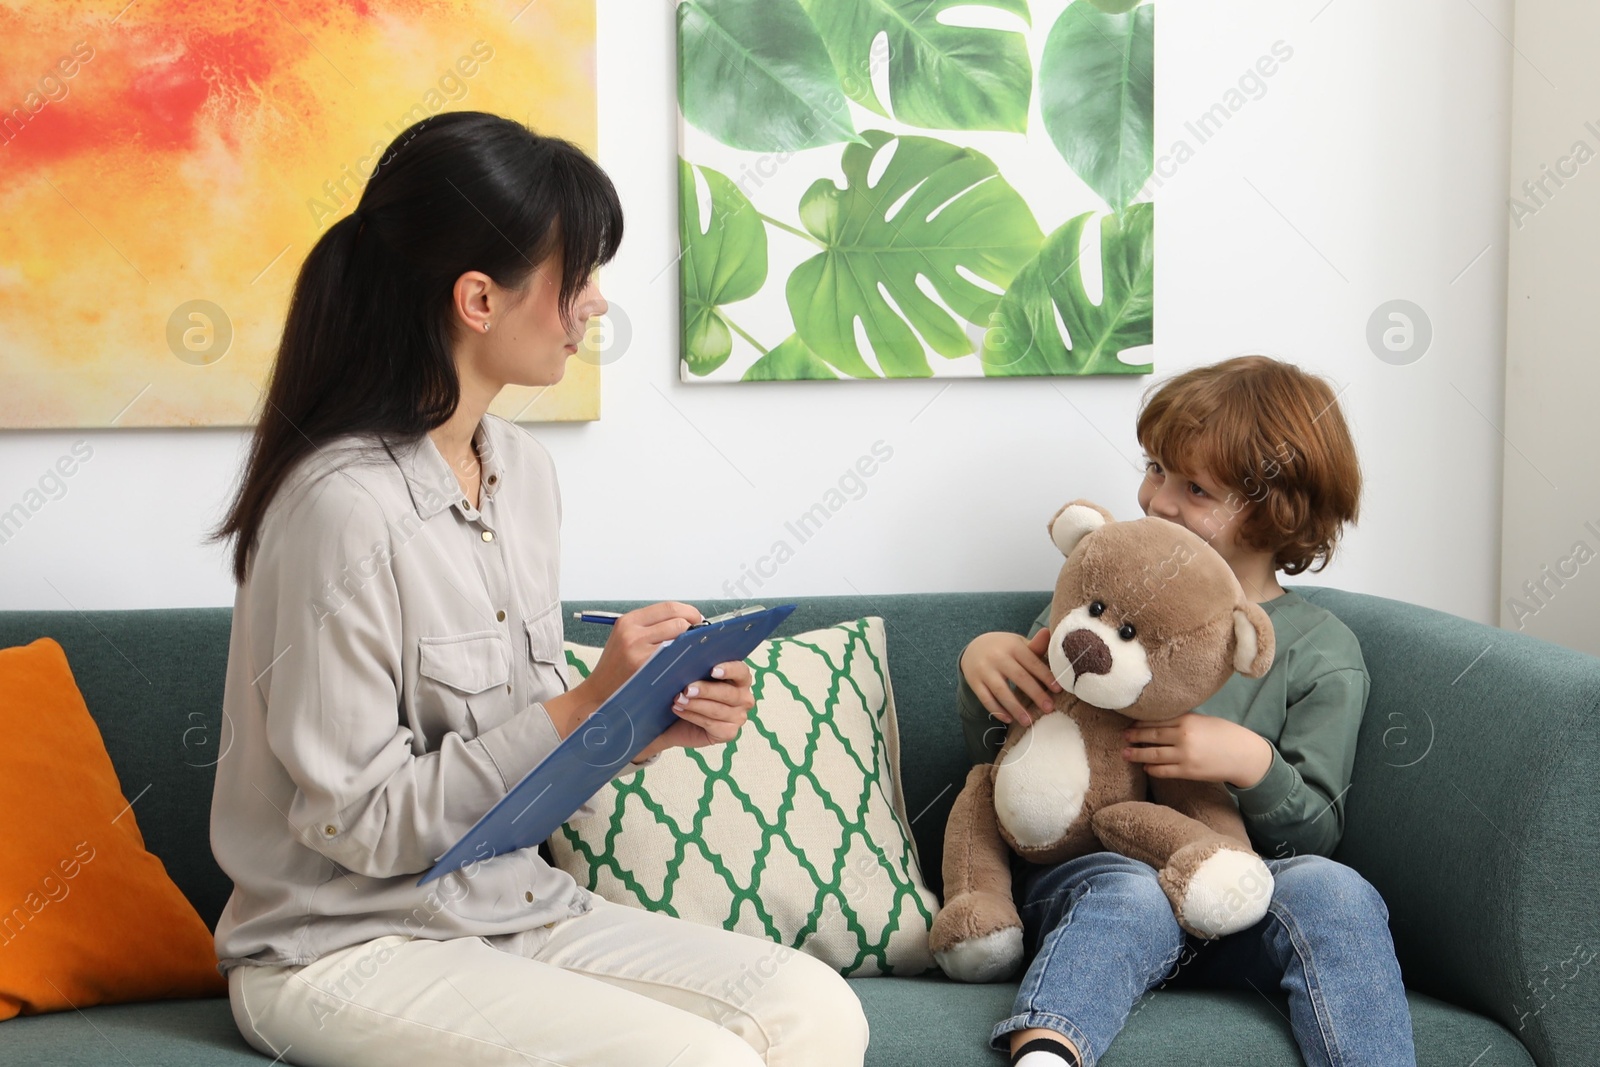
(613, 986)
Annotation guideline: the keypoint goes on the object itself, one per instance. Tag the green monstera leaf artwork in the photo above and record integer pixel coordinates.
(757, 76)
(724, 260)
(1026, 338)
(1097, 97)
(790, 361)
(914, 188)
(936, 207)
(940, 76)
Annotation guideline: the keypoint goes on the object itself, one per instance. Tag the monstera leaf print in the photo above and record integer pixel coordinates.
(756, 75)
(724, 259)
(940, 76)
(1096, 92)
(906, 253)
(1025, 337)
(790, 361)
(936, 210)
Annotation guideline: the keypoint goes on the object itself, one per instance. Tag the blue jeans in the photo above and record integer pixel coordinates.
(1100, 933)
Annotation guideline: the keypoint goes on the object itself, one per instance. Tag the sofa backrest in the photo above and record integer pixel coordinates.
(153, 681)
(1472, 806)
(1473, 809)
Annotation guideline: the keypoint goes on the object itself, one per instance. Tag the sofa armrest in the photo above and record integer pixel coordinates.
(1474, 810)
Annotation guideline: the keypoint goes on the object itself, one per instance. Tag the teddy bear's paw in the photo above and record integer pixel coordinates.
(990, 958)
(1226, 892)
(977, 937)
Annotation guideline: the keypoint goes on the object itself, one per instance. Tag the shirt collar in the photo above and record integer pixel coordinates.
(434, 486)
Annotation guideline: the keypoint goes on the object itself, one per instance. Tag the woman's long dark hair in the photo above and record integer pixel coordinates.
(366, 346)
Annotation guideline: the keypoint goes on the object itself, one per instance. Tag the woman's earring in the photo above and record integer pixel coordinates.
(486, 327)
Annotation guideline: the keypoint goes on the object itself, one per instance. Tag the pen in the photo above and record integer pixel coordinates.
(607, 618)
(604, 618)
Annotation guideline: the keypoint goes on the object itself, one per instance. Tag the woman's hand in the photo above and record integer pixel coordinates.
(993, 659)
(710, 711)
(1199, 748)
(633, 639)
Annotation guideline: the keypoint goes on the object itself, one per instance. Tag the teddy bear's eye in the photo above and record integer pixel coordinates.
(1097, 609)
(1126, 631)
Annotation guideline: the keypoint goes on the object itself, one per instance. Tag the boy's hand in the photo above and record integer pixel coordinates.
(993, 659)
(1200, 748)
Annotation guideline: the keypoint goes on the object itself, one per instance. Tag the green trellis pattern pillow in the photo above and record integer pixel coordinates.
(795, 831)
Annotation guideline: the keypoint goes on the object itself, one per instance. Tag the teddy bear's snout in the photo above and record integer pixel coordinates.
(1086, 652)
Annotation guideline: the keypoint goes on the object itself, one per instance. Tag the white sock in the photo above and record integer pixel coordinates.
(1040, 1058)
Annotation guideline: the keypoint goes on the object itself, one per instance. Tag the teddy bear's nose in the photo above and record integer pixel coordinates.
(1086, 652)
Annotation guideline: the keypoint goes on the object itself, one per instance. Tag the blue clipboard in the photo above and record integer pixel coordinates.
(632, 717)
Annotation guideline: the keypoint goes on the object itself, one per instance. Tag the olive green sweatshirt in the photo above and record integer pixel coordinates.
(1308, 706)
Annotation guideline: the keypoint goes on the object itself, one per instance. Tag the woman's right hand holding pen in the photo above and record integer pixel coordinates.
(632, 640)
(710, 711)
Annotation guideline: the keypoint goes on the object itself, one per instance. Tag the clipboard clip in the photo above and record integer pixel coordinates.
(751, 610)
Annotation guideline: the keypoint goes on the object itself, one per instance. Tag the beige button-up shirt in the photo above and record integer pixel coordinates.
(390, 651)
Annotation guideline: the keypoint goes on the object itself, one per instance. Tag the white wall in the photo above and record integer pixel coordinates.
(1372, 168)
(1550, 564)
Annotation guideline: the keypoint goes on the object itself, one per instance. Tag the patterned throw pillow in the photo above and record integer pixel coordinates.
(795, 831)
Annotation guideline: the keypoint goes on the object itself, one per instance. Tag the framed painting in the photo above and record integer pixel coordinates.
(168, 165)
(915, 188)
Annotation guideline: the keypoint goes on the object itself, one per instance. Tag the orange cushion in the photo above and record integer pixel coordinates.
(87, 916)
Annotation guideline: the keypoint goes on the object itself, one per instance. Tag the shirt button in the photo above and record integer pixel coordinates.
(492, 479)
(499, 616)
(330, 829)
(528, 897)
(488, 535)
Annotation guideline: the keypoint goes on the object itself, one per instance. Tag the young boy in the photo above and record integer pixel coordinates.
(1253, 455)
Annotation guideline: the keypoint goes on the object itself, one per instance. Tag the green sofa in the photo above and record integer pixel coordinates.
(1473, 809)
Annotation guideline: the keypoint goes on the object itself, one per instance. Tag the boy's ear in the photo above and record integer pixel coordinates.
(1253, 640)
(1074, 521)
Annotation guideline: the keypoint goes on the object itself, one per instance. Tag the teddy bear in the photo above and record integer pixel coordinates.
(1147, 622)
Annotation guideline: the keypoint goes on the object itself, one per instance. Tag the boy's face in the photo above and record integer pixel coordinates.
(1194, 501)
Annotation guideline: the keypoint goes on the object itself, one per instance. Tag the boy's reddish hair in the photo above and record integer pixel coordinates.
(1272, 434)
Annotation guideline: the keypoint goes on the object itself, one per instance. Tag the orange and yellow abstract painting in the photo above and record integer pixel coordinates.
(165, 166)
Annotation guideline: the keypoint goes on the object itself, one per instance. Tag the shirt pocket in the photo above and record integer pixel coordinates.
(545, 654)
(463, 683)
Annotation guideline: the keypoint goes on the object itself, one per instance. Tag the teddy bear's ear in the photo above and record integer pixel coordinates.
(1073, 521)
(1254, 640)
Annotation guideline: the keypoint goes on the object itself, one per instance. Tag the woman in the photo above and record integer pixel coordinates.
(395, 661)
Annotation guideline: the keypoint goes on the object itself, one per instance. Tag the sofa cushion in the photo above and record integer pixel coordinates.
(932, 1021)
(928, 1021)
(795, 831)
(153, 680)
(90, 916)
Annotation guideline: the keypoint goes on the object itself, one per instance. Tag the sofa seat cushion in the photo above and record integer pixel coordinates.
(168, 1033)
(934, 1022)
(926, 1020)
